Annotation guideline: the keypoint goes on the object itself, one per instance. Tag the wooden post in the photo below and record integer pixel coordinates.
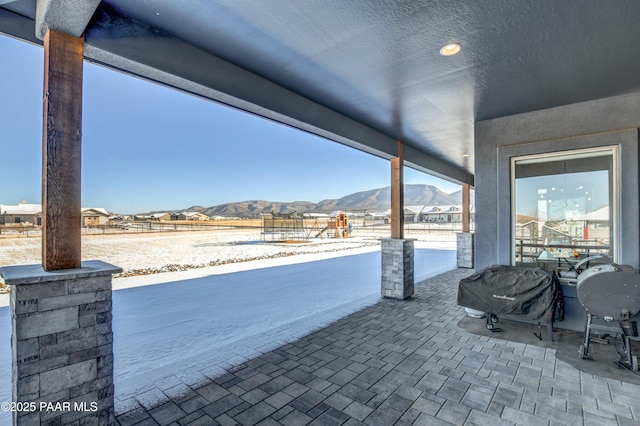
(61, 151)
(466, 215)
(397, 194)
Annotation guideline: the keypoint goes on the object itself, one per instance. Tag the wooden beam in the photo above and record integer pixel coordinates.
(466, 208)
(397, 194)
(61, 151)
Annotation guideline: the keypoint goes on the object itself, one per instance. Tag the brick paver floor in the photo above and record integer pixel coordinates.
(401, 363)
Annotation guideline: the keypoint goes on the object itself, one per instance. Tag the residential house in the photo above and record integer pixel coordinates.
(440, 214)
(94, 216)
(189, 216)
(23, 213)
(162, 216)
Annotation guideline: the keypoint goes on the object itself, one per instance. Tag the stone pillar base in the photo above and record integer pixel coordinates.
(465, 249)
(62, 344)
(397, 268)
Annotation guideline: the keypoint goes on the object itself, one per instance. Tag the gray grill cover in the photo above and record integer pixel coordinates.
(526, 293)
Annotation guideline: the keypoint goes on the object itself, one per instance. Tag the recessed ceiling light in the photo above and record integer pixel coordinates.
(465, 155)
(450, 49)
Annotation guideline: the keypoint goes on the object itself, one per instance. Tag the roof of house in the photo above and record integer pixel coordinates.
(601, 214)
(191, 214)
(101, 211)
(34, 209)
(425, 209)
(20, 209)
(453, 208)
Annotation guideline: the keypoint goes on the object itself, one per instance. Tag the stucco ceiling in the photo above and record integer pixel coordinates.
(368, 72)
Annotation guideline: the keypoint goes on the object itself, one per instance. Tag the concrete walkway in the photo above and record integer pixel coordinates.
(401, 362)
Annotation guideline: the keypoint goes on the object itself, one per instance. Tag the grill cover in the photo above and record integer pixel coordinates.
(526, 293)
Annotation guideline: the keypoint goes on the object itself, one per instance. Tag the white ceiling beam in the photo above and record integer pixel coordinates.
(67, 16)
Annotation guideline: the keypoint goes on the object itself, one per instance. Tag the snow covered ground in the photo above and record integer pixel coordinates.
(133, 251)
(177, 328)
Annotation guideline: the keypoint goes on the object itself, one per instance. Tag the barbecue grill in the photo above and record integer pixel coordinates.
(611, 293)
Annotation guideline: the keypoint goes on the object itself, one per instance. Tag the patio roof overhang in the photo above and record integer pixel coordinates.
(362, 73)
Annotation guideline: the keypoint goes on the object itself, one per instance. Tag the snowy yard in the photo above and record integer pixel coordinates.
(177, 328)
(132, 251)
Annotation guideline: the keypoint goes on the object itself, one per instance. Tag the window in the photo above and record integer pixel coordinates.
(564, 206)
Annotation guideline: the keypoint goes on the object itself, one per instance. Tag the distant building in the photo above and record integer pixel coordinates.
(31, 214)
(23, 213)
(441, 214)
(94, 216)
(424, 213)
(159, 216)
(189, 216)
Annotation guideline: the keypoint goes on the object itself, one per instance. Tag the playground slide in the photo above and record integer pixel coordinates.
(321, 231)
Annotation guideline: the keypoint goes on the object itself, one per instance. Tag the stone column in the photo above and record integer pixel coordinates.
(397, 268)
(62, 343)
(465, 249)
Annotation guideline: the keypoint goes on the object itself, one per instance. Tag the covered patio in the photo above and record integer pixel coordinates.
(495, 96)
(404, 362)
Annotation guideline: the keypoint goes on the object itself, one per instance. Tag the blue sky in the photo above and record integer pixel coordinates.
(148, 147)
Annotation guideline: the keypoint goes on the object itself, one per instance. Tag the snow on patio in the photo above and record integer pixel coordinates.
(176, 329)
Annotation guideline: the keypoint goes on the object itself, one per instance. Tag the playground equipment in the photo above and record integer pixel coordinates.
(282, 226)
(338, 226)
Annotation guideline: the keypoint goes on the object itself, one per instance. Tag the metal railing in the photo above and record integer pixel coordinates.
(584, 248)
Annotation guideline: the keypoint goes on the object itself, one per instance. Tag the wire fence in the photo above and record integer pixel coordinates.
(304, 227)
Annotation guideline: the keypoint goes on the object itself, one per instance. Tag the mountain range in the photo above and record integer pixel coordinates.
(371, 200)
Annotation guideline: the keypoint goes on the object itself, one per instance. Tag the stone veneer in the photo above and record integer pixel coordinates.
(62, 344)
(397, 268)
(465, 246)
